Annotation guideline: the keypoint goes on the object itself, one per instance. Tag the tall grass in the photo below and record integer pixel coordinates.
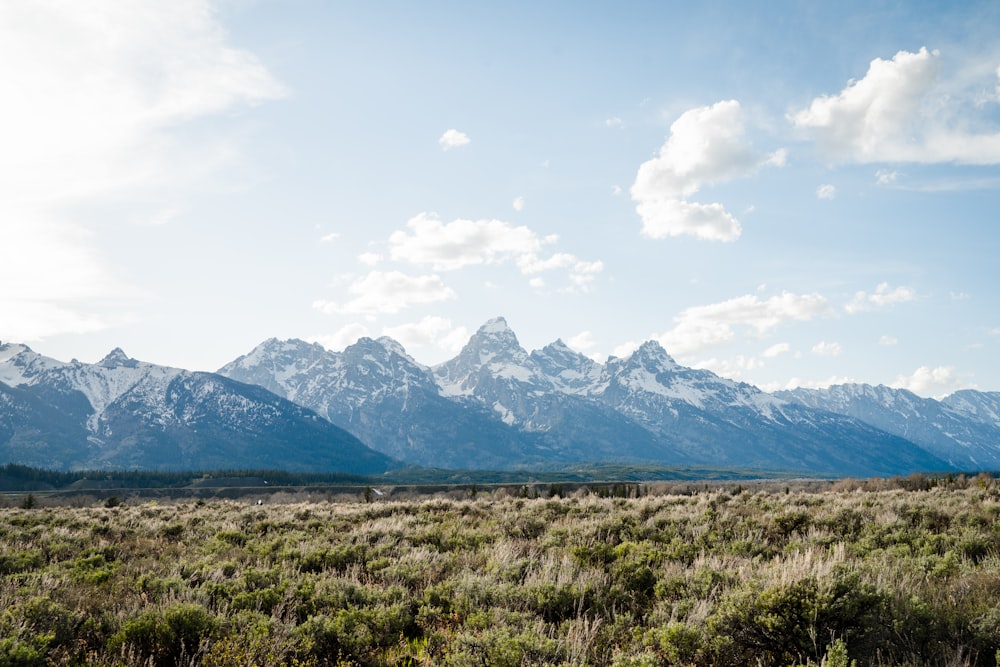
(882, 574)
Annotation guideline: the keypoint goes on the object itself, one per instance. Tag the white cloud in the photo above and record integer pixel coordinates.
(663, 218)
(330, 238)
(888, 340)
(902, 110)
(94, 97)
(826, 191)
(733, 369)
(625, 349)
(701, 327)
(52, 281)
(777, 350)
(369, 258)
(388, 292)
(518, 204)
(926, 381)
(347, 335)
(614, 121)
(582, 342)
(825, 349)
(616, 190)
(453, 139)
(706, 145)
(460, 243)
(882, 296)
(537, 283)
(429, 331)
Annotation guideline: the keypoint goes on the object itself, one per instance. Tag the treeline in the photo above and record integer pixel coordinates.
(14, 477)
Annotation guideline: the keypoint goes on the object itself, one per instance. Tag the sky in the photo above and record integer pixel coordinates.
(785, 193)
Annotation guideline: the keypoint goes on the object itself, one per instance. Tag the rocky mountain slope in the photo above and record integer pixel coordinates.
(555, 406)
(963, 429)
(123, 413)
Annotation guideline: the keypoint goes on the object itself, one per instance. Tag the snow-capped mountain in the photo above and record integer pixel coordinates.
(979, 406)
(555, 405)
(963, 429)
(124, 413)
(375, 391)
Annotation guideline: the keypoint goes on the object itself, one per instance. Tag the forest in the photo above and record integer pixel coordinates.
(868, 572)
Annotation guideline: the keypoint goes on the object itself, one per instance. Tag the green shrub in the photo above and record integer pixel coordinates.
(165, 637)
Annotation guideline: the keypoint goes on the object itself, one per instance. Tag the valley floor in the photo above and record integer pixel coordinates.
(765, 575)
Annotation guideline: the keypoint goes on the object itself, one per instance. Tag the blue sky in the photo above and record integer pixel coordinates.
(785, 194)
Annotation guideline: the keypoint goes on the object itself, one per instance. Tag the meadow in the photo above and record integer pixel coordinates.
(879, 572)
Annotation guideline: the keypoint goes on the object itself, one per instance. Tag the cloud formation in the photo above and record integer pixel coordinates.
(884, 295)
(94, 96)
(453, 139)
(346, 335)
(826, 191)
(450, 246)
(901, 111)
(430, 331)
(927, 381)
(388, 292)
(706, 145)
(701, 327)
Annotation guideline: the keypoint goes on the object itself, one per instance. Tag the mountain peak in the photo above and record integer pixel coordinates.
(651, 350)
(496, 325)
(116, 358)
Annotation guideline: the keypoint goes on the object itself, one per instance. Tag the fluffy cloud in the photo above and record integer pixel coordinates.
(826, 191)
(733, 369)
(582, 342)
(882, 296)
(388, 292)
(347, 335)
(453, 139)
(701, 327)
(461, 243)
(777, 350)
(430, 331)
(900, 111)
(706, 145)
(95, 96)
(927, 381)
(518, 204)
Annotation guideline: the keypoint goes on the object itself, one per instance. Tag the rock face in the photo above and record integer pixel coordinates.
(496, 405)
(123, 413)
(963, 429)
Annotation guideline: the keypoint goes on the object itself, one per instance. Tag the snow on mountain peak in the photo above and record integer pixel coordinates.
(392, 345)
(19, 364)
(495, 325)
(652, 351)
(117, 358)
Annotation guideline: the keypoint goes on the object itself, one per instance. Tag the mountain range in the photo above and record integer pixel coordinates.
(298, 406)
(125, 414)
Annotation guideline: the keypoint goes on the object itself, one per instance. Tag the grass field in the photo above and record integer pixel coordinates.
(901, 572)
